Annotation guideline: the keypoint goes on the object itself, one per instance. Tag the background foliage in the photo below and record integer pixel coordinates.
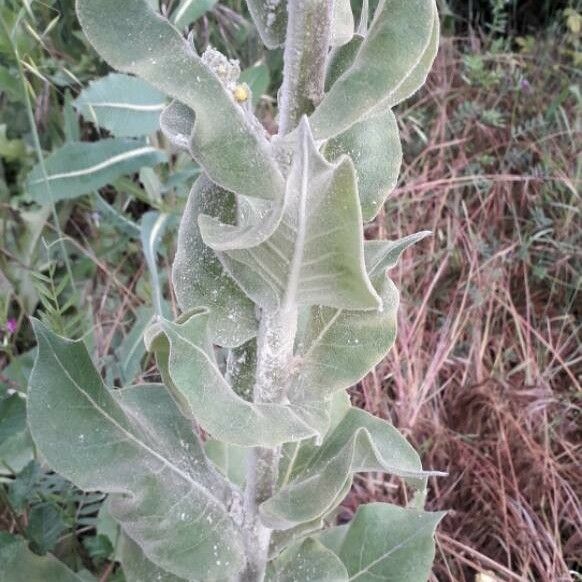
(485, 375)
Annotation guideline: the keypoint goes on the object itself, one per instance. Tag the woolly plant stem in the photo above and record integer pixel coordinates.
(306, 48)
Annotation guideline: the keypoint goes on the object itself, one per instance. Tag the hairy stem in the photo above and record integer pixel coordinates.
(306, 50)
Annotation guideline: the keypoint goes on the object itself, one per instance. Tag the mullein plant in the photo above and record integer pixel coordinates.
(271, 272)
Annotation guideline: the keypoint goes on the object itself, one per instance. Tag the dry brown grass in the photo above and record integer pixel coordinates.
(485, 375)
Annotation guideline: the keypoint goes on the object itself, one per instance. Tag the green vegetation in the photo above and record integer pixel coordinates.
(484, 377)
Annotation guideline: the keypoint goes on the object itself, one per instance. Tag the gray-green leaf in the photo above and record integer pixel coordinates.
(270, 18)
(375, 148)
(125, 105)
(315, 256)
(389, 543)
(226, 141)
(80, 168)
(189, 11)
(198, 276)
(19, 564)
(208, 398)
(308, 561)
(342, 24)
(341, 346)
(359, 443)
(137, 568)
(400, 35)
(133, 444)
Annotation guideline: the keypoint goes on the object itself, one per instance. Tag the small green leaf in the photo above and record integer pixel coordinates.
(308, 561)
(45, 526)
(132, 350)
(122, 104)
(79, 168)
(19, 564)
(387, 542)
(133, 444)
(15, 441)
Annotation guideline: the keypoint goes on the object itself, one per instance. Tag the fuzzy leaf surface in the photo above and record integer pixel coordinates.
(315, 256)
(133, 38)
(375, 148)
(310, 560)
(390, 543)
(122, 104)
(340, 346)
(270, 18)
(133, 444)
(342, 22)
(79, 168)
(208, 398)
(189, 11)
(360, 442)
(19, 564)
(394, 46)
(198, 276)
(137, 568)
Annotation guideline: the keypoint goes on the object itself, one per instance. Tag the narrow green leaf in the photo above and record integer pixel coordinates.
(309, 560)
(135, 445)
(122, 104)
(200, 279)
(132, 350)
(270, 17)
(315, 256)
(19, 564)
(80, 168)
(207, 397)
(153, 227)
(387, 542)
(359, 443)
(375, 148)
(399, 36)
(226, 140)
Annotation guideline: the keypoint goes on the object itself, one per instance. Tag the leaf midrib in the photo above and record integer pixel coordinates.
(124, 431)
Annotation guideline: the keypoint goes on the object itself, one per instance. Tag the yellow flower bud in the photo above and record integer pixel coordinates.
(241, 93)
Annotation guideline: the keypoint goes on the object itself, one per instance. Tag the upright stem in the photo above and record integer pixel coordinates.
(306, 48)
